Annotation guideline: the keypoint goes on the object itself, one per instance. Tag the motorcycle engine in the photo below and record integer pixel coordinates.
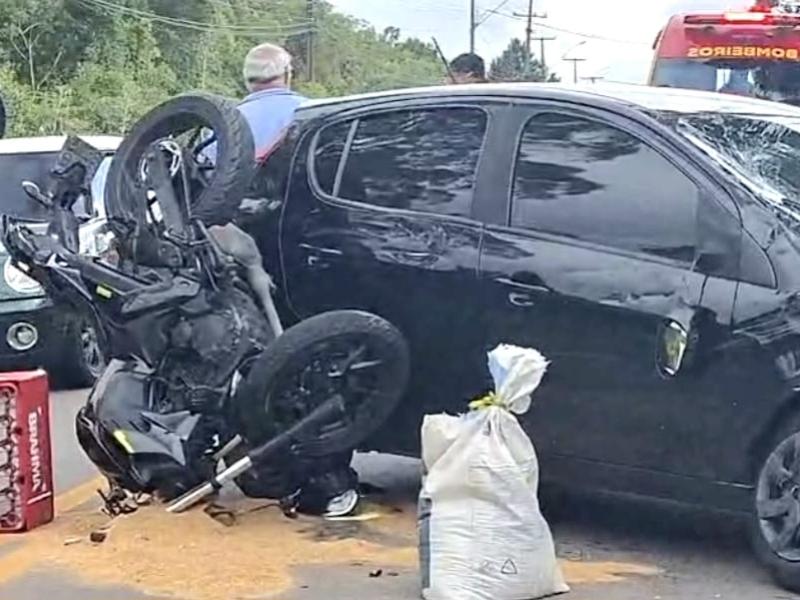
(210, 340)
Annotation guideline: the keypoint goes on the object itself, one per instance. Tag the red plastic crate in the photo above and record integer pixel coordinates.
(26, 476)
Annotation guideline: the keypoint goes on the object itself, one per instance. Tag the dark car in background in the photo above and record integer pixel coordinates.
(34, 330)
(646, 241)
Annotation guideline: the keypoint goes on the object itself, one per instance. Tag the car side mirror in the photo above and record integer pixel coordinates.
(671, 346)
(677, 344)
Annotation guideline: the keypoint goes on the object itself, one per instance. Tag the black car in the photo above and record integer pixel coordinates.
(35, 331)
(646, 241)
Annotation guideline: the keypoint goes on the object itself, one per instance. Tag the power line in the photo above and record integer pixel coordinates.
(492, 11)
(577, 33)
(291, 29)
(591, 35)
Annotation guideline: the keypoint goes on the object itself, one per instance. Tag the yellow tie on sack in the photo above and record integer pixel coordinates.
(486, 401)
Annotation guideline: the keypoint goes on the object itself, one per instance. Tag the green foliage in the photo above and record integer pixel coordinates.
(517, 64)
(95, 66)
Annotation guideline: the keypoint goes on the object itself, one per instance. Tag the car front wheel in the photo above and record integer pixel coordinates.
(775, 523)
(85, 359)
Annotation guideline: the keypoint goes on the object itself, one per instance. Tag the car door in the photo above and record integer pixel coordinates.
(379, 217)
(608, 238)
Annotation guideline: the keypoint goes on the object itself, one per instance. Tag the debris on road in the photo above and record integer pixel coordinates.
(221, 514)
(98, 537)
(161, 554)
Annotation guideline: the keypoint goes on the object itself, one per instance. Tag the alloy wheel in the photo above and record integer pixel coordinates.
(347, 367)
(778, 499)
(91, 352)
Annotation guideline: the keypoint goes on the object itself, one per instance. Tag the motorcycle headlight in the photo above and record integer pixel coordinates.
(96, 240)
(19, 281)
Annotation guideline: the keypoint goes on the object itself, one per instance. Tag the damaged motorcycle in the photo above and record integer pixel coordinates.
(202, 372)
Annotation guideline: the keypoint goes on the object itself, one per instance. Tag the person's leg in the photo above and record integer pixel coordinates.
(328, 485)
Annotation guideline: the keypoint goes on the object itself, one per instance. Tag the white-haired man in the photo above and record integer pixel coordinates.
(325, 484)
(269, 107)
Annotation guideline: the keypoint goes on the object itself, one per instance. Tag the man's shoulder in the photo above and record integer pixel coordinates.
(283, 94)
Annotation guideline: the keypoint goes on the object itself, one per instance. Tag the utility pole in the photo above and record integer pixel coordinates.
(310, 13)
(575, 62)
(529, 28)
(472, 26)
(530, 16)
(542, 39)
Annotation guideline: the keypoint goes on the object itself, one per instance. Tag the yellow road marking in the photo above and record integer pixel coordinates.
(18, 561)
(76, 496)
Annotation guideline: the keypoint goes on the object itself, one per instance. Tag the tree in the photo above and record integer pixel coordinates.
(82, 67)
(517, 64)
(44, 41)
(125, 77)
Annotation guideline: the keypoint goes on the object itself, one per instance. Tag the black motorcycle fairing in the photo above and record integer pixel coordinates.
(141, 449)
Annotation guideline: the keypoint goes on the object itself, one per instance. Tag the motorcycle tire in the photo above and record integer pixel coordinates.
(234, 165)
(304, 367)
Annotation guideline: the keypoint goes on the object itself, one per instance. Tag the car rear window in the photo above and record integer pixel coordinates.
(16, 168)
(35, 166)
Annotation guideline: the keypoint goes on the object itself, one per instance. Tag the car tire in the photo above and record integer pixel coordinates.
(272, 402)
(776, 507)
(235, 162)
(84, 359)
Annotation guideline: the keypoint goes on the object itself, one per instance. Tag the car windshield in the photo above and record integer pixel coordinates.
(766, 79)
(762, 151)
(35, 166)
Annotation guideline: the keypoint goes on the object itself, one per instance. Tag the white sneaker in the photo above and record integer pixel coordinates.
(343, 504)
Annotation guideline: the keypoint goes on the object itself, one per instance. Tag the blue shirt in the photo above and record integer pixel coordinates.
(269, 112)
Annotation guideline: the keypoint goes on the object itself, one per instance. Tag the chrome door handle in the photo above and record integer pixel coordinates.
(321, 250)
(539, 289)
(520, 299)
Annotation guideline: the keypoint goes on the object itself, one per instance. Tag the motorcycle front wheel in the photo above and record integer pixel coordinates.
(356, 355)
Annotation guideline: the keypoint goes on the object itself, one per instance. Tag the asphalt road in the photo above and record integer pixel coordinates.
(613, 550)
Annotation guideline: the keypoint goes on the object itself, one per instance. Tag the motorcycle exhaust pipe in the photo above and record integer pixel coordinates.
(227, 448)
(322, 414)
(204, 490)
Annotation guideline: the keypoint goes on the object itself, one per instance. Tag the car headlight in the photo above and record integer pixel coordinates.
(19, 281)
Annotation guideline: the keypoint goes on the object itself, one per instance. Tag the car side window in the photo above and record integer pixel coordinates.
(328, 154)
(422, 160)
(590, 181)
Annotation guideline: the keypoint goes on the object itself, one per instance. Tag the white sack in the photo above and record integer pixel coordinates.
(482, 535)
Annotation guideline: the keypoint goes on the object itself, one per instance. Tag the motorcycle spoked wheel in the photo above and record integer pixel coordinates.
(183, 128)
(355, 354)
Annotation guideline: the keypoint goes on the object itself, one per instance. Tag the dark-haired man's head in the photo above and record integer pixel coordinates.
(468, 68)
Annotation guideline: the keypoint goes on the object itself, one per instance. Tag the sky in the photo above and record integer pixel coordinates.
(630, 27)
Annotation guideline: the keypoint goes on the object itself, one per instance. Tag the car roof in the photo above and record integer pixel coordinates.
(630, 95)
(53, 143)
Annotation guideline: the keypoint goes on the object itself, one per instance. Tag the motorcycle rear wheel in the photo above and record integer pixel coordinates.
(185, 122)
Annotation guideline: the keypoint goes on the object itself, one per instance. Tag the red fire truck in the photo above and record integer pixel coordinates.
(755, 52)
